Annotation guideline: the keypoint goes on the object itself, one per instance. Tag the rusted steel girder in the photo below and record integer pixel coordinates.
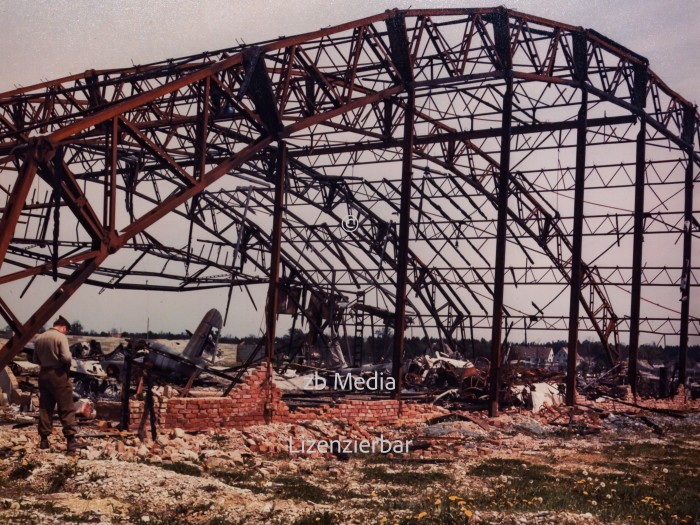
(399, 47)
(59, 100)
(637, 248)
(49, 308)
(424, 274)
(581, 73)
(544, 226)
(402, 259)
(15, 344)
(609, 319)
(37, 152)
(275, 255)
(505, 59)
(275, 260)
(690, 120)
(340, 110)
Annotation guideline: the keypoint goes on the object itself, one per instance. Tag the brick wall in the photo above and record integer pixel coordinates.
(369, 412)
(257, 401)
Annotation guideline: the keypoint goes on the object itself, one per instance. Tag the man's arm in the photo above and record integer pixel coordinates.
(64, 354)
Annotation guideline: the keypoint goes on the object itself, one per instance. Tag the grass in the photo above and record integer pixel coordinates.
(386, 459)
(87, 517)
(638, 494)
(516, 485)
(647, 450)
(317, 518)
(298, 488)
(199, 507)
(231, 477)
(180, 467)
(239, 478)
(94, 476)
(666, 484)
(21, 517)
(451, 510)
(379, 459)
(410, 478)
(180, 514)
(22, 470)
(389, 490)
(225, 520)
(631, 483)
(60, 476)
(161, 518)
(220, 439)
(49, 507)
(511, 467)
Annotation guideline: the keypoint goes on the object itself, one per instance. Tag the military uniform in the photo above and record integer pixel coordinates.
(52, 353)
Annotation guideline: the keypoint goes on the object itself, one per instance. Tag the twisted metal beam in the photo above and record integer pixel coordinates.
(165, 135)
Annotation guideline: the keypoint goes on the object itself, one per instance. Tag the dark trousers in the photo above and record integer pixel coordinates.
(55, 389)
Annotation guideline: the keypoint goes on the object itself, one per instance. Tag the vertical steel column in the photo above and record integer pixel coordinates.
(502, 38)
(640, 84)
(689, 123)
(276, 254)
(258, 86)
(275, 259)
(404, 230)
(580, 70)
(637, 257)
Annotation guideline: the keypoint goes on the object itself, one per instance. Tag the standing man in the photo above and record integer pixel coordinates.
(52, 353)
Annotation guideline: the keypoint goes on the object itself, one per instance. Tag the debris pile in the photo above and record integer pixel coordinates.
(252, 471)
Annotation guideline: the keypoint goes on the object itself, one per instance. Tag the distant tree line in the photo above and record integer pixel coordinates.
(380, 344)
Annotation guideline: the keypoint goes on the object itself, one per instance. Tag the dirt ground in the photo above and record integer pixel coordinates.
(623, 466)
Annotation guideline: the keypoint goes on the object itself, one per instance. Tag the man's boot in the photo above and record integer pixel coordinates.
(44, 443)
(73, 444)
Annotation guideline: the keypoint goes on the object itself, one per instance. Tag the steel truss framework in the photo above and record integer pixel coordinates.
(505, 171)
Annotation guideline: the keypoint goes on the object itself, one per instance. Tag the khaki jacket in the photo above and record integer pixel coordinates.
(51, 350)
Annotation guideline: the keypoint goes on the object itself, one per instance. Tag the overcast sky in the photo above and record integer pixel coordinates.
(48, 39)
